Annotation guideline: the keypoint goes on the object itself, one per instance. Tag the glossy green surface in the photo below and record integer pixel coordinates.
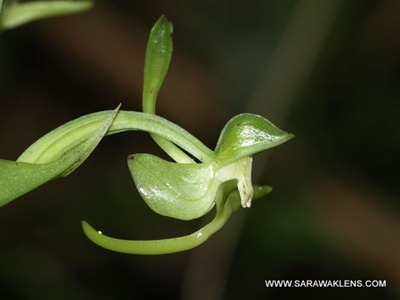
(182, 191)
(246, 135)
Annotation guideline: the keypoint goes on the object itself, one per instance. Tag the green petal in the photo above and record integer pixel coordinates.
(182, 191)
(158, 57)
(246, 135)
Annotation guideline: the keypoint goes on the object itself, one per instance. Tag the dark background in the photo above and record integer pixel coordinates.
(327, 71)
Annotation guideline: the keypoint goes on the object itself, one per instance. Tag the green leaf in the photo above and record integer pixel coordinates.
(182, 191)
(17, 14)
(247, 134)
(18, 178)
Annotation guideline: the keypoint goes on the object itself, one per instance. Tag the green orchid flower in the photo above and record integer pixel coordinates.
(186, 188)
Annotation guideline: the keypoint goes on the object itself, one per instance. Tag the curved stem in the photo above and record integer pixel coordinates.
(54, 144)
(162, 246)
(225, 208)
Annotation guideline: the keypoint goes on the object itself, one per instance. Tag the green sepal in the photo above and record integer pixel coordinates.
(247, 134)
(181, 191)
(158, 57)
(18, 178)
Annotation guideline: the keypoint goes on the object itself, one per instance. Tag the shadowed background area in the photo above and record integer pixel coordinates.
(327, 71)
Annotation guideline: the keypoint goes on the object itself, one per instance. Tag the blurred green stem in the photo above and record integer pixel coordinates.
(16, 14)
